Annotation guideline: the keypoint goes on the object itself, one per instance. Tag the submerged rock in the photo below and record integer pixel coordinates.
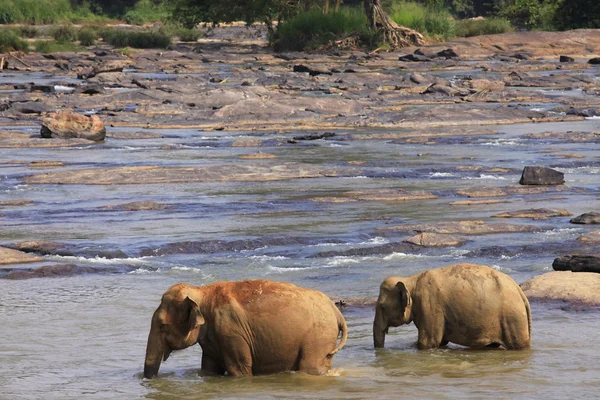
(574, 288)
(541, 176)
(428, 239)
(67, 125)
(463, 228)
(48, 271)
(534, 213)
(578, 263)
(587, 218)
(137, 206)
(591, 237)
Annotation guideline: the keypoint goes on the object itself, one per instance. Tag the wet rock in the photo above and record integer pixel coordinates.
(566, 59)
(594, 61)
(389, 195)
(446, 90)
(315, 136)
(46, 164)
(65, 250)
(541, 176)
(584, 112)
(12, 256)
(137, 206)
(383, 249)
(67, 125)
(49, 271)
(311, 71)
(14, 203)
(587, 218)
(475, 202)
(418, 79)
(93, 89)
(257, 172)
(414, 58)
(591, 237)
(42, 88)
(481, 192)
(577, 263)
(534, 213)
(581, 287)
(427, 239)
(103, 68)
(462, 228)
(32, 107)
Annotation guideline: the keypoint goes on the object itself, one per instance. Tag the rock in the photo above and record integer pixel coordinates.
(574, 288)
(105, 67)
(534, 213)
(137, 206)
(48, 271)
(46, 164)
(577, 263)
(587, 218)
(583, 112)
(481, 192)
(418, 79)
(427, 239)
(31, 107)
(566, 59)
(462, 228)
(541, 176)
(93, 89)
(414, 58)
(67, 125)
(448, 54)
(594, 61)
(315, 136)
(14, 203)
(11, 256)
(445, 90)
(311, 71)
(591, 237)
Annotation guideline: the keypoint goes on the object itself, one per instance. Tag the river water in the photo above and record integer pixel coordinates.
(84, 337)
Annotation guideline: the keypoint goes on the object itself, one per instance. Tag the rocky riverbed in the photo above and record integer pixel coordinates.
(223, 160)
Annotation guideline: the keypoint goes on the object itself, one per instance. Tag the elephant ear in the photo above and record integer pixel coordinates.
(403, 294)
(195, 317)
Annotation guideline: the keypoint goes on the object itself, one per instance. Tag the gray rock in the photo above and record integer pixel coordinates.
(541, 176)
(566, 59)
(577, 263)
(587, 218)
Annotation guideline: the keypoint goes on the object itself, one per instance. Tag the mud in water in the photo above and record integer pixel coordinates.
(223, 163)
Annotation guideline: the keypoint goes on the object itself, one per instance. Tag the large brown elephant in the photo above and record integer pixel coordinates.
(247, 328)
(467, 304)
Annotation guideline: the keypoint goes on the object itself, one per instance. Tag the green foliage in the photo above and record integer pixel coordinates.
(87, 36)
(64, 34)
(52, 46)
(188, 35)
(573, 14)
(10, 41)
(523, 13)
(477, 27)
(146, 11)
(309, 30)
(33, 11)
(136, 39)
(434, 21)
(27, 31)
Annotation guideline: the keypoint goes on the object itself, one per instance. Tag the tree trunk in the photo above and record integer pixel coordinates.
(326, 7)
(392, 33)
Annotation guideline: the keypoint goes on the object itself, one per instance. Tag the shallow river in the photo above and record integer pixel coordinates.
(84, 336)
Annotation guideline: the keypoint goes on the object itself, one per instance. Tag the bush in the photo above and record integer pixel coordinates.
(136, 39)
(426, 20)
(312, 29)
(146, 11)
(26, 31)
(64, 34)
(33, 11)
(87, 36)
(52, 46)
(477, 27)
(188, 35)
(10, 41)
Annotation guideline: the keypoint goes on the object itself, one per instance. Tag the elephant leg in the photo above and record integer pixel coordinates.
(314, 362)
(444, 343)
(210, 366)
(238, 360)
(431, 333)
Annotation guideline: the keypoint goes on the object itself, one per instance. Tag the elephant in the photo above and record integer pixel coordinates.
(248, 327)
(466, 304)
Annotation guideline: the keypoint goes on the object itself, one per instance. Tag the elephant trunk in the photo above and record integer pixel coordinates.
(154, 354)
(379, 329)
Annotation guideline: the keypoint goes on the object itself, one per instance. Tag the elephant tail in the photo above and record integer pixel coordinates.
(342, 327)
(528, 309)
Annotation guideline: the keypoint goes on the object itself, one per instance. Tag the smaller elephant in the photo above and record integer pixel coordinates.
(467, 304)
(247, 328)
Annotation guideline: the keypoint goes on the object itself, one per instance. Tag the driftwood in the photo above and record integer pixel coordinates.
(395, 35)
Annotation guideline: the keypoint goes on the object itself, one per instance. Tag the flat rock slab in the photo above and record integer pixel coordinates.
(587, 218)
(578, 263)
(534, 213)
(591, 237)
(481, 192)
(64, 249)
(428, 239)
(377, 195)
(137, 206)
(463, 228)
(574, 288)
(49, 271)
(155, 174)
(11, 256)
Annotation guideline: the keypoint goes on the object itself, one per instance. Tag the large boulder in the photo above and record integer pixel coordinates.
(68, 125)
(541, 176)
(574, 288)
(578, 263)
(430, 239)
(587, 218)
(534, 213)
(11, 256)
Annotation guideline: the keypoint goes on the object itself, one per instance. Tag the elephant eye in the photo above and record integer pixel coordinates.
(164, 327)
